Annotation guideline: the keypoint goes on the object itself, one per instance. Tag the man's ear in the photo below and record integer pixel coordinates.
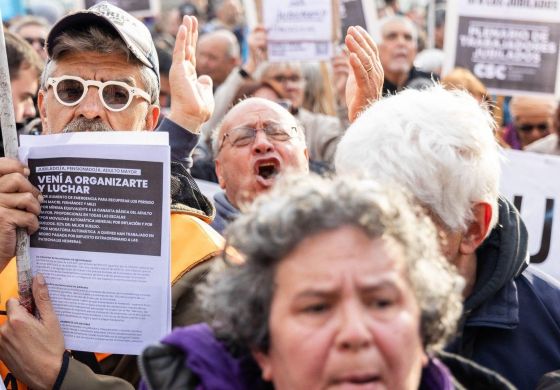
(152, 117)
(41, 97)
(263, 360)
(218, 168)
(477, 229)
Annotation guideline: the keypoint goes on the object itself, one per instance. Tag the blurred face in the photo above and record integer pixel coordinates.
(531, 128)
(36, 36)
(288, 80)
(397, 48)
(247, 170)
(90, 114)
(343, 316)
(213, 60)
(24, 88)
(230, 12)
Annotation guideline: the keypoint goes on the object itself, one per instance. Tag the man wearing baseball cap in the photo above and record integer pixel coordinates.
(102, 75)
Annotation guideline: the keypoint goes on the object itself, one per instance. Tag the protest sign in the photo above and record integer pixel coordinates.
(358, 13)
(103, 243)
(527, 183)
(299, 30)
(138, 8)
(511, 45)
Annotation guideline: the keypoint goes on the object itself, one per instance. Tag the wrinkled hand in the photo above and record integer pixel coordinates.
(365, 82)
(32, 348)
(19, 206)
(192, 101)
(257, 42)
(341, 71)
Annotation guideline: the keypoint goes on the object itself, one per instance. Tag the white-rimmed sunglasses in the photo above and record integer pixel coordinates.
(115, 95)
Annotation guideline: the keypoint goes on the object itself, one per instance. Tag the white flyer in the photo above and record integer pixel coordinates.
(298, 30)
(103, 244)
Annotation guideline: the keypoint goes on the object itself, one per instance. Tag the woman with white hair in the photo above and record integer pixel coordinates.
(343, 286)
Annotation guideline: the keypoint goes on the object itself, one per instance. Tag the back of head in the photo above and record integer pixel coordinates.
(462, 78)
(439, 144)
(21, 55)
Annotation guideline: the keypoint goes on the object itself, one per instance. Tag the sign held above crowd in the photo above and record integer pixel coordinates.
(300, 30)
(512, 46)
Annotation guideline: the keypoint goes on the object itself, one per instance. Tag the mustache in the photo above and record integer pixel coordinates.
(84, 124)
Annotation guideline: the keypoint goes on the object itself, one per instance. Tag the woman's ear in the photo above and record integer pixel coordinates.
(263, 360)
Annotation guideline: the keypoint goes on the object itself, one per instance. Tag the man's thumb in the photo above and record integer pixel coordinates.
(42, 298)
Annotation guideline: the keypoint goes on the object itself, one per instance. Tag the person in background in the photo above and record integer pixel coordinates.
(532, 120)
(322, 132)
(217, 54)
(34, 30)
(25, 67)
(397, 50)
(551, 143)
(343, 286)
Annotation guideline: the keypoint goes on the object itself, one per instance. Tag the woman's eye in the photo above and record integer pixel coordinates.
(381, 303)
(316, 308)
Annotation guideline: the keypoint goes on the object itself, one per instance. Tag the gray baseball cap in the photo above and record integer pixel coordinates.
(133, 32)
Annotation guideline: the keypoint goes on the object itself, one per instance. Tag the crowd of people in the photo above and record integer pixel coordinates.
(358, 239)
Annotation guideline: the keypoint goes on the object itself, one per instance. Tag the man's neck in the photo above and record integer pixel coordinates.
(397, 78)
(466, 265)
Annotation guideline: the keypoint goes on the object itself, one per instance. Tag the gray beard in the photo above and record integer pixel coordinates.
(84, 124)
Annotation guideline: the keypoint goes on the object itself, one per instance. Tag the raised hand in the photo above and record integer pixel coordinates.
(365, 82)
(257, 42)
(192, 101)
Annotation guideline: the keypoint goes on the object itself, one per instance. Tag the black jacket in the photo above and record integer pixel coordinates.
(511, 321)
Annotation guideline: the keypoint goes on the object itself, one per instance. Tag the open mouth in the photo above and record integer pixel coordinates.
(267, 170)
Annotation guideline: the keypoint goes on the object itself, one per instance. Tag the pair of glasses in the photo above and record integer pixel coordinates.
(280, 78)
(243, 136)
(40, 41)
(115, 95)
(527, 127)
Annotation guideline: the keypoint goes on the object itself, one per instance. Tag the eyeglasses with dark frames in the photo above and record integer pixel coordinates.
(245, 135)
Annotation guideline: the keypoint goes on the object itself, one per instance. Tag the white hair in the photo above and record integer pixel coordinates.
(439, 144)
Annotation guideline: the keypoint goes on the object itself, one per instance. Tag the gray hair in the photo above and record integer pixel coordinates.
(382, 24)
(232, 49)
(99, 40)
(238, 299)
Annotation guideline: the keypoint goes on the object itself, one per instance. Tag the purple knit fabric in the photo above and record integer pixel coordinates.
(435, 376)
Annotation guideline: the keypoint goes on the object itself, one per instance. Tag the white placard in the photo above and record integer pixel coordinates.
(104, 242)
(512, 46)
(529, 182)
(298, 29)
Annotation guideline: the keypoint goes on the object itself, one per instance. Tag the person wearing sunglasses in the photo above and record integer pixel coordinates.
(102, 75)
(532, 120)
(549, 144)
